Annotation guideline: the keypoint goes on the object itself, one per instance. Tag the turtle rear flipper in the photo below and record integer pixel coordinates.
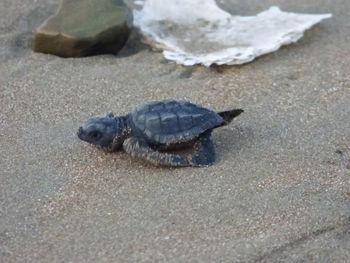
(229, 115)
(204, 152)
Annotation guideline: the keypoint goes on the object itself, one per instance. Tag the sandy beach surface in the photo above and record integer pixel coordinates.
(279, 191)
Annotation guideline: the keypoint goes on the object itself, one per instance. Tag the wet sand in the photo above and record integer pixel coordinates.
(279, 190)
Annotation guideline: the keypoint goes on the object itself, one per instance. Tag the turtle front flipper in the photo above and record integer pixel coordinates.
(138, 147)
(204, 152)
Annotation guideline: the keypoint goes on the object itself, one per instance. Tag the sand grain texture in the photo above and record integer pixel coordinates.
(278, 192)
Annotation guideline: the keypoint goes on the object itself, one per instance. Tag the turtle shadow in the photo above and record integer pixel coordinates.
(231, 141)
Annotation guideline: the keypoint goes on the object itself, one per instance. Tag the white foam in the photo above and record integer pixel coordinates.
(199, 32)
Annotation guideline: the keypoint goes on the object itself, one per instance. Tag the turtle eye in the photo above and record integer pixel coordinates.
(95, 135)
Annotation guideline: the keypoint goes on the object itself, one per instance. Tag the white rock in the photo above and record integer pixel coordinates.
(199, 32)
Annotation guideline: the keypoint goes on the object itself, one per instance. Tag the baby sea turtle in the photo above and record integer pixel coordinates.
(155, 127)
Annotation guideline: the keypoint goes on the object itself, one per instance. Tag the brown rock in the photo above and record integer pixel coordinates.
(85, 27)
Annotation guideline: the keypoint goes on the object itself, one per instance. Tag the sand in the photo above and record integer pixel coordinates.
(279, 190)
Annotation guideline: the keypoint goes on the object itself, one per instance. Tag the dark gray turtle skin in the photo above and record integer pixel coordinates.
(153, 128)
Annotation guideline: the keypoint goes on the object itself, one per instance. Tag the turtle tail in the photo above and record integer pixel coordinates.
(229, 115)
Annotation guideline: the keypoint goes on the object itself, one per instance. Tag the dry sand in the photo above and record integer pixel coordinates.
(278, 191)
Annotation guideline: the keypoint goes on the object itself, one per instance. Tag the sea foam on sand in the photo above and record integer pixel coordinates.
(199, 32)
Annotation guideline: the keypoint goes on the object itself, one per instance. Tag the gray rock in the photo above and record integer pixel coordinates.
(85, 27)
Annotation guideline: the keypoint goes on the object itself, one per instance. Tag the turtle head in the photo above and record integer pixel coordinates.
(100, 131)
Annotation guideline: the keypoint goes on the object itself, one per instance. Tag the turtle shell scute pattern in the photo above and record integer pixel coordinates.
(173, 121)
